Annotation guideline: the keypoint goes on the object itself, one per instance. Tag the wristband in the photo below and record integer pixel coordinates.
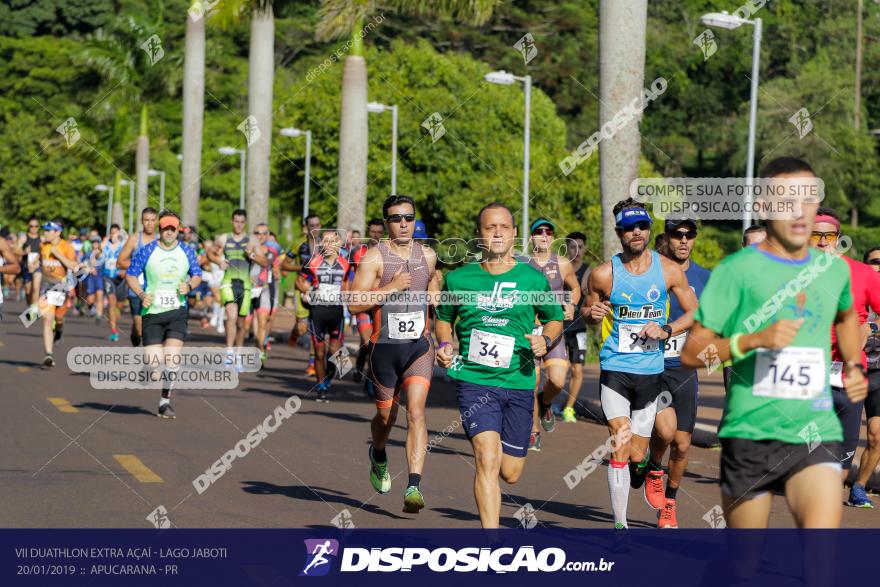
(668, 330)
(858, 365)
(443, 344)
(874, 328)
(735, 353)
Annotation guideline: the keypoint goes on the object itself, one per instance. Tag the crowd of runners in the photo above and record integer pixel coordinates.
(792, 321)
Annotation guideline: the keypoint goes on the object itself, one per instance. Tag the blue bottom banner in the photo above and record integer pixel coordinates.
(434, 557)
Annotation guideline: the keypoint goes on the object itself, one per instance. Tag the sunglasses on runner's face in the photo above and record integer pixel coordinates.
(680, 234)
(260, 232)
(33, 226)
(830, 237)
(395, 218)
(543, 230)
(874, 261)
(174, 228)
(644, 225)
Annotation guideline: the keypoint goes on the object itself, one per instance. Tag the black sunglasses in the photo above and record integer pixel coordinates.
(642, 225)
(395, 218)
(874, 261)
(680, 234)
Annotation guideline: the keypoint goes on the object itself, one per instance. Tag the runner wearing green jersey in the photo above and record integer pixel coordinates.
(495, 373)
(171, 271)
(779, 430)
(235, 253)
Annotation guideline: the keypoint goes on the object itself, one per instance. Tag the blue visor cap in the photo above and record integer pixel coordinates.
(52, 226)
(630, 216)
(419, 230)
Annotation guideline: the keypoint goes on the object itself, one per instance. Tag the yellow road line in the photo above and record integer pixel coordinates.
(24, 369)
(140, 471)
(62, 404)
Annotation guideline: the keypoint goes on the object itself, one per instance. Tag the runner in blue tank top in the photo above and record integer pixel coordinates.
(113, 282)
(674, 425)
(149, 217)
(628, 295)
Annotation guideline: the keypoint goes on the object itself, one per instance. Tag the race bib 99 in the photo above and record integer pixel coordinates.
(629, 341)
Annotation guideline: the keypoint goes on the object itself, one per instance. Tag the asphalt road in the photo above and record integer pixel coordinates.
(74, 456)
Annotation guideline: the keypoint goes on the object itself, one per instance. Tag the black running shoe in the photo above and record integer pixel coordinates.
(166, 411)
(135, 339)
(49, 361)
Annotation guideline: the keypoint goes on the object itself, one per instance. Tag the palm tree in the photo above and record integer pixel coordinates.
(346, 17)
(193, 113)
(261, 75)
(621, 78)
(133, 71)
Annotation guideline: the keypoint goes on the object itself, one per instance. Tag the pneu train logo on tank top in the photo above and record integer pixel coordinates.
(503, 297)
(645, 312)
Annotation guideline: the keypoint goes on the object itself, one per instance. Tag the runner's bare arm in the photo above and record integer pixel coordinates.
(677, 284)
(596, 305)
(124, 259)
(215, 253)
(703, 342)
(846, 325)
(290, 264)
(257, 254)
(571, 280)
(434, 282)
(443, 334)
(303, 285)
(366, 277)
(10, 260)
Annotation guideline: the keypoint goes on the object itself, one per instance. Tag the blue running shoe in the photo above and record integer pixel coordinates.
(858, 498)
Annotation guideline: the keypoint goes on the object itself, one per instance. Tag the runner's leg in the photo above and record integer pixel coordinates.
(487, 488)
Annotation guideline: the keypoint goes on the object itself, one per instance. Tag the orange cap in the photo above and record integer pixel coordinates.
(169, 221)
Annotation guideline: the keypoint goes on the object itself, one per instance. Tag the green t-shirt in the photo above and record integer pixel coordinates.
(491, 329)
(778, 395)
(165, 270)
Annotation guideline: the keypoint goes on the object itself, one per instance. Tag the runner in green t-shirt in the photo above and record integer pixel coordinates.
(494, 370)
(779, 429)
(171, 271)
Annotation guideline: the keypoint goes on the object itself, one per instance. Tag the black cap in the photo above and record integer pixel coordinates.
(673, 223)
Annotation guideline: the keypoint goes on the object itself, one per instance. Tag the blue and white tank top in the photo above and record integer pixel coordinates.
(635, 301)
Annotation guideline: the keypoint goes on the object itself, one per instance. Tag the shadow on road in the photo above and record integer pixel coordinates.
(306, 493)
(116, 409)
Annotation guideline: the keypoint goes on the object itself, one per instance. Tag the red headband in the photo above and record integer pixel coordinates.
(828, 219)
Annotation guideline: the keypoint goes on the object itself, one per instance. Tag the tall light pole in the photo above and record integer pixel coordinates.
(161, 174)
(377, 108)
(243, 154)
(505, 79)
(724, 20)
(293, 133)
(130, 185)
(106, 188)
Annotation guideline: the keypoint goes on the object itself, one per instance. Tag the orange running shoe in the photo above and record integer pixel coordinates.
(654, 493)
(310, 370)
(667, 515)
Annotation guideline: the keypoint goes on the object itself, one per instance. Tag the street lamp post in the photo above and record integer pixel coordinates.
(730, 21)
(243, 154)
(375, 108)
(293, 133)
(161, 174)
(505, 79)
(130, 185)
(106, 188)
